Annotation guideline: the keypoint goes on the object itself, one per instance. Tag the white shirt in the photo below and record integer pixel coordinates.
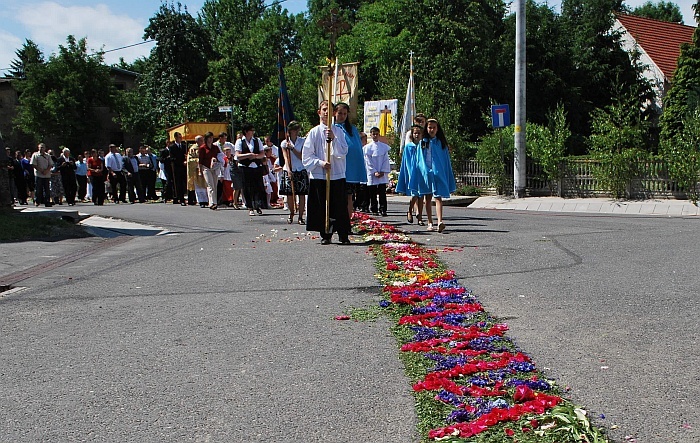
(238, 149)
(114, 161)
(314, 153)
(377, 160)
(296, 146)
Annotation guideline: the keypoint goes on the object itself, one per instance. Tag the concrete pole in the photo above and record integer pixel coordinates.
(519, 179)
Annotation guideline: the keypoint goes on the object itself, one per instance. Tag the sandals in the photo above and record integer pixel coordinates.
(421, 222)
(290, 220)
(213, 207)
(430, 227)
(251, 213)
(409, 217)
(302, 221)
(441, 226)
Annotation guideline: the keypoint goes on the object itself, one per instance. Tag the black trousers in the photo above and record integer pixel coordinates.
(338, 208)
(117, 178)
(253, 188)
(70, 187)
(98, 189)
(82, 186)
(374, 191)
(134, 187)
(43, 191)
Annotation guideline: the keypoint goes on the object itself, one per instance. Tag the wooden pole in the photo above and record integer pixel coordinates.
(329, 123)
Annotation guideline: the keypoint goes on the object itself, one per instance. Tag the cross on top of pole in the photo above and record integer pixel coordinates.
(333, 25)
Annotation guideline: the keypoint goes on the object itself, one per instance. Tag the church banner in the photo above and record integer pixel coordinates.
(382, 114)
(345, 87)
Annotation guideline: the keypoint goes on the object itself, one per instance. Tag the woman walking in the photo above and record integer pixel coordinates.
(209, 167)
(294, 182)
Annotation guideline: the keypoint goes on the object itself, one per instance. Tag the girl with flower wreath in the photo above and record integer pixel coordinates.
(433, 161)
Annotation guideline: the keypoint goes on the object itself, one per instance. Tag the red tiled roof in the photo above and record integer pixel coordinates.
(661, 40)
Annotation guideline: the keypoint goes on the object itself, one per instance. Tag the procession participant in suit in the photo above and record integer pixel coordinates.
(114, 163)
(316, 163)
(147, 173)
(178, 163)
(133, 177)
(251, 158)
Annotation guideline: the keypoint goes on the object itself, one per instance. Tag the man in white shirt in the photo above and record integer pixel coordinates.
(114, 163)
(313, 157)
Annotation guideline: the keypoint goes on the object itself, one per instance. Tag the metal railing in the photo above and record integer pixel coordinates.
(578, 179)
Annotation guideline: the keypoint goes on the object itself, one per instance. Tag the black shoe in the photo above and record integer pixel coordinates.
(345, 241)
(326, 241)
(260, 213)
(384, 214)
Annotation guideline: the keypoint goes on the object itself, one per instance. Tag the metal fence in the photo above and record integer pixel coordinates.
(578, 180)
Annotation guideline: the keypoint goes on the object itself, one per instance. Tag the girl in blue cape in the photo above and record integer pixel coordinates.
(433, 162)
(355, 171)
(411, 182)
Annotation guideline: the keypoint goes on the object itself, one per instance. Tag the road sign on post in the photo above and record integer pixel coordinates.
(500, 116)
(228, 109)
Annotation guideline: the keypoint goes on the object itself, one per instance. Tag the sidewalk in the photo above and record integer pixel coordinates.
(669, 208)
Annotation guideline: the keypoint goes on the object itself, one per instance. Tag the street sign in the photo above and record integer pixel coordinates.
(225, 108)
(500, 116)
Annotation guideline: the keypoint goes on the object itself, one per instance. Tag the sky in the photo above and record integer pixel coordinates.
(112, 24)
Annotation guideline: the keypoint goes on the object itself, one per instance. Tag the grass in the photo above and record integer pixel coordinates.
(18, 226)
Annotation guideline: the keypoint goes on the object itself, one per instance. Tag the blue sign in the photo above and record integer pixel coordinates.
(500, 116)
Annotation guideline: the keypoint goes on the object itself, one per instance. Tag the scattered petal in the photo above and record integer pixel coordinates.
(343, 317)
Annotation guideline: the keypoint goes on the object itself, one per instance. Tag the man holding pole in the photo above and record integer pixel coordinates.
(319, 164)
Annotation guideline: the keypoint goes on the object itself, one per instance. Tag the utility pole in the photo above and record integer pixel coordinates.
(519, 169)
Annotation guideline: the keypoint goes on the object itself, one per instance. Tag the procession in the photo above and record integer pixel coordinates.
(254, 174)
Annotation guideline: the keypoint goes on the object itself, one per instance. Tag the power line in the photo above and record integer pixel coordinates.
(276, 2)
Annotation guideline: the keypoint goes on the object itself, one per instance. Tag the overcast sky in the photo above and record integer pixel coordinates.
(112, 24)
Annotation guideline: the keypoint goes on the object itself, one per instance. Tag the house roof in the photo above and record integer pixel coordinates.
(660, 40)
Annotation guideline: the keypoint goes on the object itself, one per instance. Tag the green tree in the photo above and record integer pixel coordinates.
(682, 155)
(29, 54)
(549, 63)
(59, 98)
(664, 11)
(683, 98)
(174, 74)
(618, 141)
(599, 65)
(547, 144)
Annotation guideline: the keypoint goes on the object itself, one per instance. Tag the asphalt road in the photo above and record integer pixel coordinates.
(213, 333)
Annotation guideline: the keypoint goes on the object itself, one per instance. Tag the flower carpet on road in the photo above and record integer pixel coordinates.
(471, 382)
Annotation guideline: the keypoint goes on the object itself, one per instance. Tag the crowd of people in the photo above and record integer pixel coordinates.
(253, 175)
